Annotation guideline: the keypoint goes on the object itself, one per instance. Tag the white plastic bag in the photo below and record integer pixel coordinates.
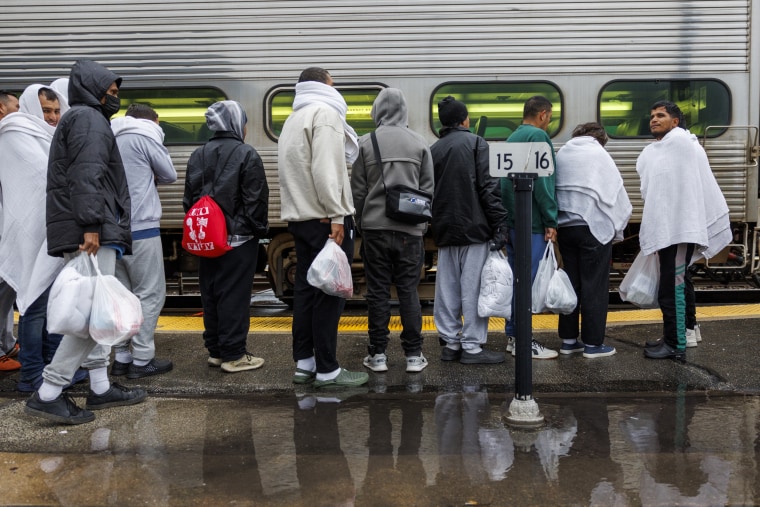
(561, 297)
(331, 272)
(546, 268)
(642, 281)
(495, 298)
(70, 300)
(116, 312)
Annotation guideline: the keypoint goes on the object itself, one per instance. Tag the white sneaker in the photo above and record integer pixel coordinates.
(691, 338)
(416, 363)
(511, 344)
(378, 362)
(698, 331)
(247, 362)
(541, 352)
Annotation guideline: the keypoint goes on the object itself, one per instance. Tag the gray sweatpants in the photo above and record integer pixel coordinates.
(457, 286)
(74, 352)
(143, 274)
(7, 297)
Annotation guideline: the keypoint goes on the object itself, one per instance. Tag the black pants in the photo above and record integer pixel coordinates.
(587, 263)
(392, 257)
(316, 314)
(226, 284)
(672, 294)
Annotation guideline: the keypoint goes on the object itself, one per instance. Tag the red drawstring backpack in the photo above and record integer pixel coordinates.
(204, 230)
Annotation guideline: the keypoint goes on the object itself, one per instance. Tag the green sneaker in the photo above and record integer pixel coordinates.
(304, 376)
(344, 379)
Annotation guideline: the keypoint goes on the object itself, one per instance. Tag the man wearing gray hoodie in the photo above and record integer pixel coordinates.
(392, 251)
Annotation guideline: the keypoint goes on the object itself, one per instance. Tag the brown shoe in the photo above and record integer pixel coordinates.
(7, 363)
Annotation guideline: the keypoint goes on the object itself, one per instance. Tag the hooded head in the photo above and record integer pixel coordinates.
(88, 83)
(390, 108)
(451, 112)
(61, 86)
(30, 102)
(227, 116)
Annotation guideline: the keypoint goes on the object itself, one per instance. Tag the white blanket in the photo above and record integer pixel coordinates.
(309, 92)
(589, 184)
(24, 262)
(682, 200)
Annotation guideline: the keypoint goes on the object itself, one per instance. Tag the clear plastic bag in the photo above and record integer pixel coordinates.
(495, 298)
(330, 271)
(70, 300)
(116, 312)
(642, 281)
(546, 268)
(561, 297)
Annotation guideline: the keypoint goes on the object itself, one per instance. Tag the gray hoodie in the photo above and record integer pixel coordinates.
(406, 161)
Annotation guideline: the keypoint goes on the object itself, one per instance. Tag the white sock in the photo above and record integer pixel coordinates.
(477, 349)
(49, 392)
(309, 364)
(454, 346)
(140, 362)
(123, 357)
(99, 382)
(328, 376)
(571, 341)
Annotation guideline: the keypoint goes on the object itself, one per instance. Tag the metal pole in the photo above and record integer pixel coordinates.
(523, 411)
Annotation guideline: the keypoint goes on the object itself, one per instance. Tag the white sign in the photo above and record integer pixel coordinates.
(506, 158)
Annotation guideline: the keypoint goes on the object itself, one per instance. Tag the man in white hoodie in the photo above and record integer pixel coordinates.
(24, 264)
(146, 162)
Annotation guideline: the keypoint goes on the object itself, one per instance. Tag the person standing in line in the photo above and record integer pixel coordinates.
(8, 346)
(537, 114)
(236, 173)
(393, 252)
(676, 225)
(468, 219)
(25, 139)
(87, 212)
(593, 211)
(147, 163)
(314, 146)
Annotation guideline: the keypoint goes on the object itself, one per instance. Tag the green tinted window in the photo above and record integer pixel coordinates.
(625, 106)
(181, 111)
(496, 109)
(358, 98)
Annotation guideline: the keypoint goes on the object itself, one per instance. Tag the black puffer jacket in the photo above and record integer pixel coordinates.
(239, 188)
(86, 185)
(467, 206)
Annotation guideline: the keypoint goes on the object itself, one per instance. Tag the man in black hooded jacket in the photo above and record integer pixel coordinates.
(87, 212)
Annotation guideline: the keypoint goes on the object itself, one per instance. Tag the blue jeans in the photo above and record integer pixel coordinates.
(36, 346)
(537, 247)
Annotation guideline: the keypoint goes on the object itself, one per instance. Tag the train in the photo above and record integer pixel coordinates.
(596, 60)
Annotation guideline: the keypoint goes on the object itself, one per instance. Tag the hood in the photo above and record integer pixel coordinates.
(89, 82)
(29, 102)
(390, 108)
(140, 126)
(61, 86)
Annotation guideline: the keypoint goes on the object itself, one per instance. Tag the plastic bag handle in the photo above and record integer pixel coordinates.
(94, 259)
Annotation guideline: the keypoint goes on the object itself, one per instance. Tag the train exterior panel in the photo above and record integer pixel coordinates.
(252, 50)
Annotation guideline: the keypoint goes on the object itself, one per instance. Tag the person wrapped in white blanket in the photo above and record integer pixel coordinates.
(25, 266)
(677, 224)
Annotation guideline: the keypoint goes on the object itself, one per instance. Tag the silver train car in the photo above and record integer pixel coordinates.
(596, 60)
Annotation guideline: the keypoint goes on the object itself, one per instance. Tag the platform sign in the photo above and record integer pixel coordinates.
(508, 158)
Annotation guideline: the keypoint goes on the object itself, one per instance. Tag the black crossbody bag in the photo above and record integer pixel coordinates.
(404, 203)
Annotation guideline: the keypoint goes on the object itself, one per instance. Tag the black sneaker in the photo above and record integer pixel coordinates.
(116, 396)
(665, 351)
(61, 410)
(154, 367)
(448, 354)
(119, 369)
(650, 344)
(482, 357)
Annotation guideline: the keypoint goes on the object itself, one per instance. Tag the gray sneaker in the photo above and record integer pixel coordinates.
(378, 362)
(416, 363)
(344, 379)
(247, 362)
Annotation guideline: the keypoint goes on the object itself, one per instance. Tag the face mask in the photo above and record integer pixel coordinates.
(112, 105)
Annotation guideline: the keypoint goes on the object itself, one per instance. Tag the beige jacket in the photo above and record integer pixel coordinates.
(311, 162)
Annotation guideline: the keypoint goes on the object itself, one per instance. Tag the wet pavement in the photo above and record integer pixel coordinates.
(620, 431)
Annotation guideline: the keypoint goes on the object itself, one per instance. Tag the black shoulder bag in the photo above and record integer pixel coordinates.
(403, 203)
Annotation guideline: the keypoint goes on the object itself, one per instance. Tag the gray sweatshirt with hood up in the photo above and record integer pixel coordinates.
(406, 161)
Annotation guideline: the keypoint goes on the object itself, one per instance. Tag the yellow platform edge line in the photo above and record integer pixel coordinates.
(353, 324)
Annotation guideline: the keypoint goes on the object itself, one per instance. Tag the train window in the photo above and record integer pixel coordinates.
(496, 108)
(359, 98)
(181, 111)
(625, 106)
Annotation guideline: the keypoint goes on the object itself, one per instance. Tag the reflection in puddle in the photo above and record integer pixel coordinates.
(392, 449)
